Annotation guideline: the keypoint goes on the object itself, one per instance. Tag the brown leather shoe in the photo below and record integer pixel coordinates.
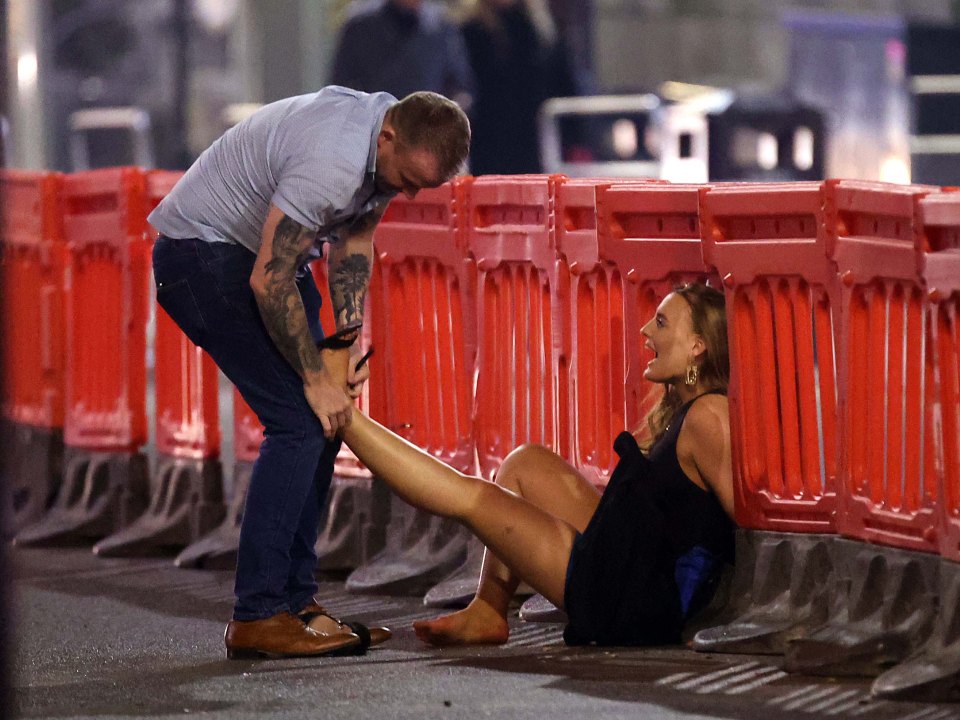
(315, 610)
(280, 636)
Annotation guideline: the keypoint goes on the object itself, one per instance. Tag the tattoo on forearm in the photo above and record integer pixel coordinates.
(281, 306)
(349, 278)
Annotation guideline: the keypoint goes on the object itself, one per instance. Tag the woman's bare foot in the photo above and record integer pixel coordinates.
(477, 624)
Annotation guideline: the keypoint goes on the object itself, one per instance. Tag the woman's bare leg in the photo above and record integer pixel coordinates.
(544, 479)
(534, 544)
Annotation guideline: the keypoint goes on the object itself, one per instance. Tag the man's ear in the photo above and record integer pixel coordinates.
(387, 131)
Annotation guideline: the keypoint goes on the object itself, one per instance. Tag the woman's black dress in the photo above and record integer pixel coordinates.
(652, 553)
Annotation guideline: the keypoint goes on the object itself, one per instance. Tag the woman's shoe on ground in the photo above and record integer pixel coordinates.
(369, 637)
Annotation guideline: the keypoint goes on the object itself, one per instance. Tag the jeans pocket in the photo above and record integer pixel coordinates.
(178, 301)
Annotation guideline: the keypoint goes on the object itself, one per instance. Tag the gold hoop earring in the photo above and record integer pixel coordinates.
(693, 372)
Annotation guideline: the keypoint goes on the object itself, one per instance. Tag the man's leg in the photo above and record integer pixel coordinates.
(212, 280)
(302, 582)
(205, 288)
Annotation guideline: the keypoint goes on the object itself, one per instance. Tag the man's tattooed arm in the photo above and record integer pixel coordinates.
(286, 244)
(349, 266)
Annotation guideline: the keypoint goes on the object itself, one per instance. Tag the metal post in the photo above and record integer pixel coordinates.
(27, 57)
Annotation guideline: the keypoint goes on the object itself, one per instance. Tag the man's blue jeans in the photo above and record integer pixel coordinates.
(205, 288)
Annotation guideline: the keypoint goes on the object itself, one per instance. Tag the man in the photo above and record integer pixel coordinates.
(236, 234)
(399, 46)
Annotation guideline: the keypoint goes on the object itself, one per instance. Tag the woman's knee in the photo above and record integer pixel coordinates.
(528, 462)
(521, 458)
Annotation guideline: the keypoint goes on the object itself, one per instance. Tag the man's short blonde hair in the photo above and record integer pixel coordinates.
(434, 123)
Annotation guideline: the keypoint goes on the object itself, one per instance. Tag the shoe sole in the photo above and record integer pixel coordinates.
(257, 654)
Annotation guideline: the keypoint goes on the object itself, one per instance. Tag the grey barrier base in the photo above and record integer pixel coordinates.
(458, 588)
(187, 503)
(218, 549)
(884, 612)
(354, 527)
(420, 550)
(933, 673)
(30, 465)
(834, 606)
(100, 494)
(781, 589)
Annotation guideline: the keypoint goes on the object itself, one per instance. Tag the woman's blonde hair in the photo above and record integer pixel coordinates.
(709, 320)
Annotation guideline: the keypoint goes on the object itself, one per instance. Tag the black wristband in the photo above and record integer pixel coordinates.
(342, 338)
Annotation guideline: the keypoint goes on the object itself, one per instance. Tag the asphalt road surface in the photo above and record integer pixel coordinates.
(115, 638)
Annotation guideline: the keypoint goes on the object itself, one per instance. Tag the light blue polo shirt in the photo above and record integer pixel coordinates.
(313, 156)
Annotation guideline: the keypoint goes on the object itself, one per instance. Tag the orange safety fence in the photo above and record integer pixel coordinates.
(107, 292)
(186, 382)
(508, 309)
(940, 236)
(32, 276)
(424, 328)
(889, 483)
(651, 234)
(590, 297)
(522, 374)
(769, 245)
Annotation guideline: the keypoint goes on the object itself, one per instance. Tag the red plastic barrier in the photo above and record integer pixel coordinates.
(424, 327)
(940, 223)
(187, 411)
(650, 234)
(247, 430)
(888, 465)
(107, 294)
(522, 374)
(32, 263)
(769, 244)
(591, 295)
(591, 298)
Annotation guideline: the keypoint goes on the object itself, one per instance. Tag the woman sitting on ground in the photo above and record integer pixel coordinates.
(630, 566)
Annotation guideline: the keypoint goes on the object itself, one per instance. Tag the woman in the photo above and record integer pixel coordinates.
(518, 61)
(628, 567)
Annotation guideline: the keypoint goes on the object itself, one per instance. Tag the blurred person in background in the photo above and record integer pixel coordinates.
(518, 61)
(401, 46)
(574, 20)
(236, 234)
